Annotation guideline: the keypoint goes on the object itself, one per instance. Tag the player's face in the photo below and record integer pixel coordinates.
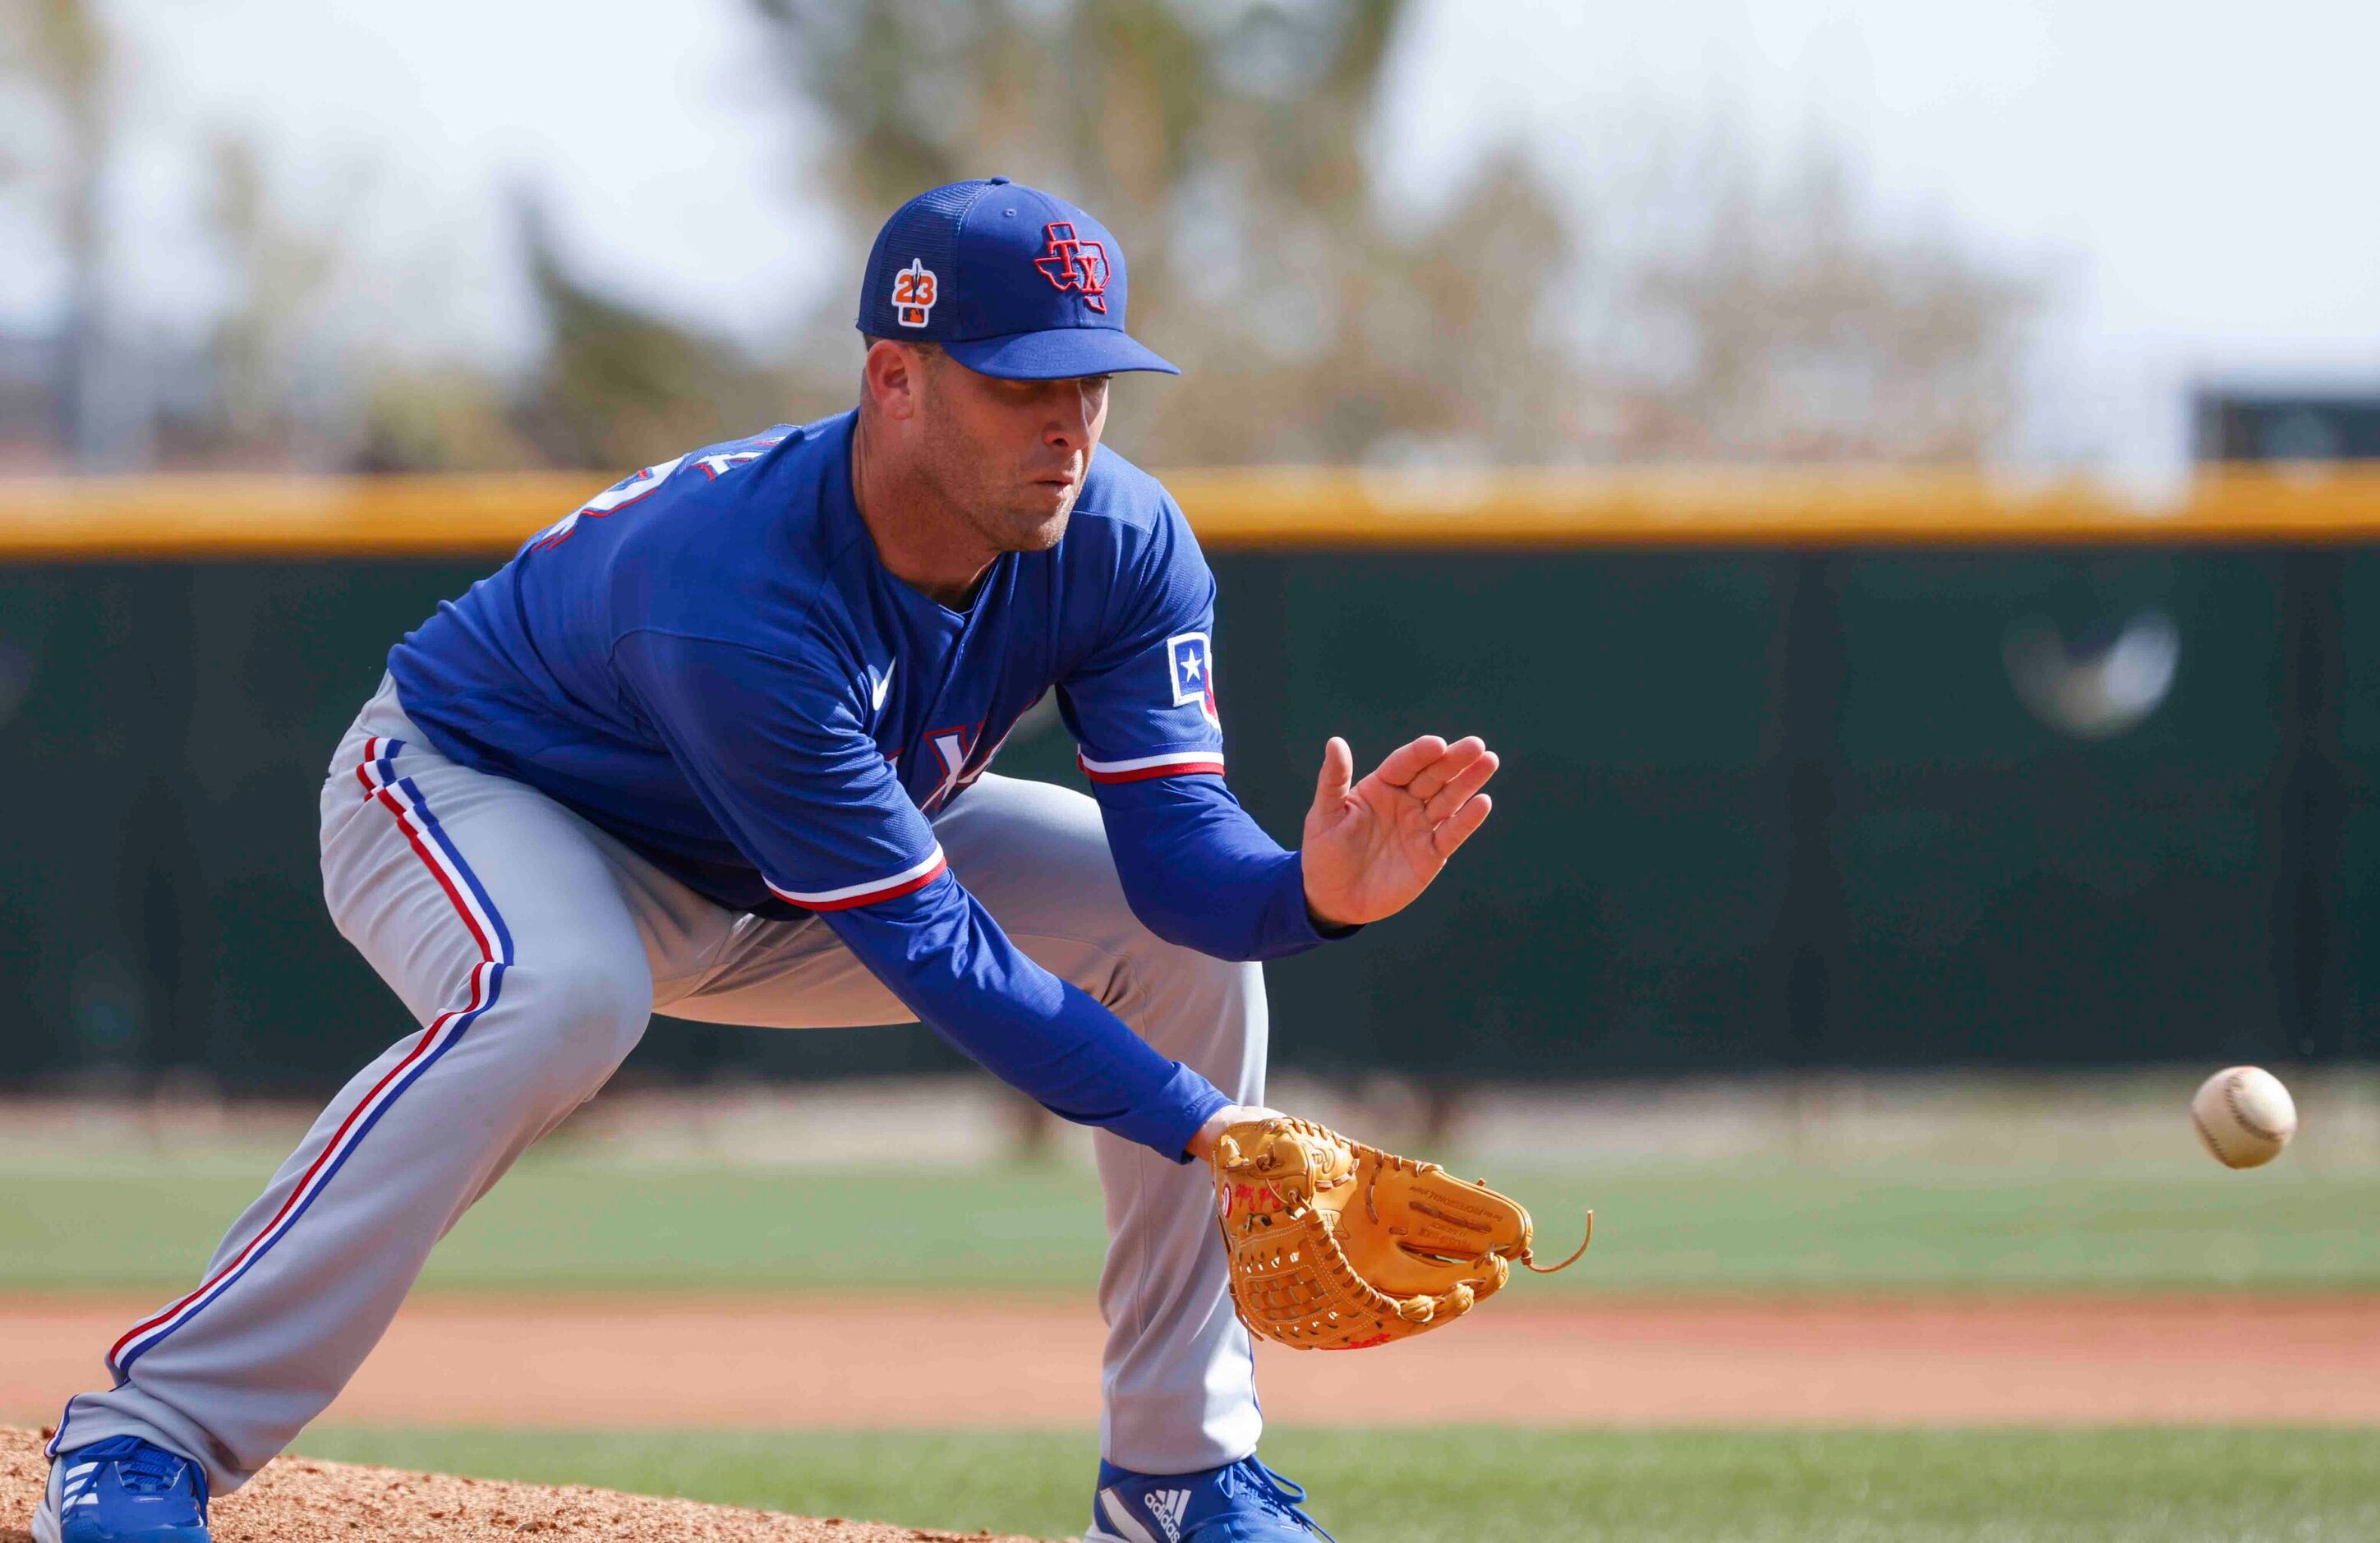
(1011, 455)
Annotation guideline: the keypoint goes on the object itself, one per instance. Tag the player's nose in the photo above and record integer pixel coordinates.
(1073, 413)
(1067, 431)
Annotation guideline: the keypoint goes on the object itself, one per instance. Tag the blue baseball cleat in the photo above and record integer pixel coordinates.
(1240, 1502)
(123, 1490)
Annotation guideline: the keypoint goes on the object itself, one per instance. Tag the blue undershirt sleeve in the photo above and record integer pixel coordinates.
(1199, 871)
(941, 953)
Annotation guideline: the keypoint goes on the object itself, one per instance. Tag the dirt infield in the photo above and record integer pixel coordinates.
(298, 1500)
(968, 1361)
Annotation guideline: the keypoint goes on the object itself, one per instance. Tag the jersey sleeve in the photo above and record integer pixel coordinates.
(1141, 703)
(776, 751)
(1196, 870)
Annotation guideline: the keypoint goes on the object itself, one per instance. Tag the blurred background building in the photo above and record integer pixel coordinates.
(1770, 803)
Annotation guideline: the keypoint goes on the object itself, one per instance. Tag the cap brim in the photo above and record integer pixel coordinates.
(1059, 354)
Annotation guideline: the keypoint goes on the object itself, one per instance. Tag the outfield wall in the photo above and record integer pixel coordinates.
(1773, 797)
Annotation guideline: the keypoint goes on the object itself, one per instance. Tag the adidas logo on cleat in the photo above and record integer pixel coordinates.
(1167, 1506)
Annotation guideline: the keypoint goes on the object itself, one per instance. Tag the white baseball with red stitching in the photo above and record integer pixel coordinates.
(2244, 1115)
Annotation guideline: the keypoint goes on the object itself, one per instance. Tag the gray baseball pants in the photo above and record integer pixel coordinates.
(532, 947)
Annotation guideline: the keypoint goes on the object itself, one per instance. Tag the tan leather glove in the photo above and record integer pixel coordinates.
(1337, 1245)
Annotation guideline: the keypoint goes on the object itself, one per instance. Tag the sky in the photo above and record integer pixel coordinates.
(2191, 181)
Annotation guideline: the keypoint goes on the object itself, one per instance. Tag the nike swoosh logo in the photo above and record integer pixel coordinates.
(884, 686)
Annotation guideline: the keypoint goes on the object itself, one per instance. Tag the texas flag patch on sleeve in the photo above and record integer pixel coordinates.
(1190, 682)
(1194, 674)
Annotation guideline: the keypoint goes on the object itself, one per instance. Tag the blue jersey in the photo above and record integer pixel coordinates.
(709, 660)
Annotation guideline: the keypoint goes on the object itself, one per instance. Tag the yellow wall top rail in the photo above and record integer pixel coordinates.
(224, 515)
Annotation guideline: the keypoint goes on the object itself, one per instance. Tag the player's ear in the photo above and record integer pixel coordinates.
(894, 378)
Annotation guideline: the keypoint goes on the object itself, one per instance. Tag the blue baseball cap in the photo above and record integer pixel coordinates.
(1007, 279)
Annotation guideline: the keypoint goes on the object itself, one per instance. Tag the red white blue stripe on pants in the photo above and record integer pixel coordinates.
(377, 775)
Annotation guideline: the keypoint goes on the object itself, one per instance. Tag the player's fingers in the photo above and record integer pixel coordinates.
(1337, 773)
(1470, 780)
(1407, 760)
(1460, 757)
(1458, 827)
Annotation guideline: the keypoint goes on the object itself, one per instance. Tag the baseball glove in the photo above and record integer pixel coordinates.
(1337, 1245)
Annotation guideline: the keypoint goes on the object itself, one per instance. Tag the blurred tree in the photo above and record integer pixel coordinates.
(1691, 305)
(444, 416)
(619, 387)
(264, 354)
(125, 390)
(55, 66)
(1228, 140)
(1768, 318)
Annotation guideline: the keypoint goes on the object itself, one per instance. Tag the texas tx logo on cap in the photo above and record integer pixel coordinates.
(1073, 263)
(1007, 280)
(912, 294)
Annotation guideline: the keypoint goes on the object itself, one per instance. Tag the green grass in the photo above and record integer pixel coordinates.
(1469, 1485)
(563, 1222)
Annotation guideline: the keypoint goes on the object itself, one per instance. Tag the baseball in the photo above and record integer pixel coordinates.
(2244, 1115)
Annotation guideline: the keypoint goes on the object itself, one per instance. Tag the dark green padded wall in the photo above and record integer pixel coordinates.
(1758, 809)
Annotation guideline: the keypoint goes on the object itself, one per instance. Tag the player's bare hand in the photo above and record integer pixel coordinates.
(1372, 847)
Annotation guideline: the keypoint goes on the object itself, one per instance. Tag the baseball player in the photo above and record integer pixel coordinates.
(716, 746)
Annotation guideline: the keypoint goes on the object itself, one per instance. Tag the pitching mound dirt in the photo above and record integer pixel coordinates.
(299, 1501)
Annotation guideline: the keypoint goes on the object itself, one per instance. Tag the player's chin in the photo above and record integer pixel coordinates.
(1038, 524)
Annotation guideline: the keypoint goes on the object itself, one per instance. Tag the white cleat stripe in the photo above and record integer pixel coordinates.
(1121, 1518)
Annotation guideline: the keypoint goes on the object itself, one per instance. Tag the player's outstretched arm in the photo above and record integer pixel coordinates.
(1372, 847)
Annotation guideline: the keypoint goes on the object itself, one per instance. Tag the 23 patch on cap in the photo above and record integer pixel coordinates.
(913, 293)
